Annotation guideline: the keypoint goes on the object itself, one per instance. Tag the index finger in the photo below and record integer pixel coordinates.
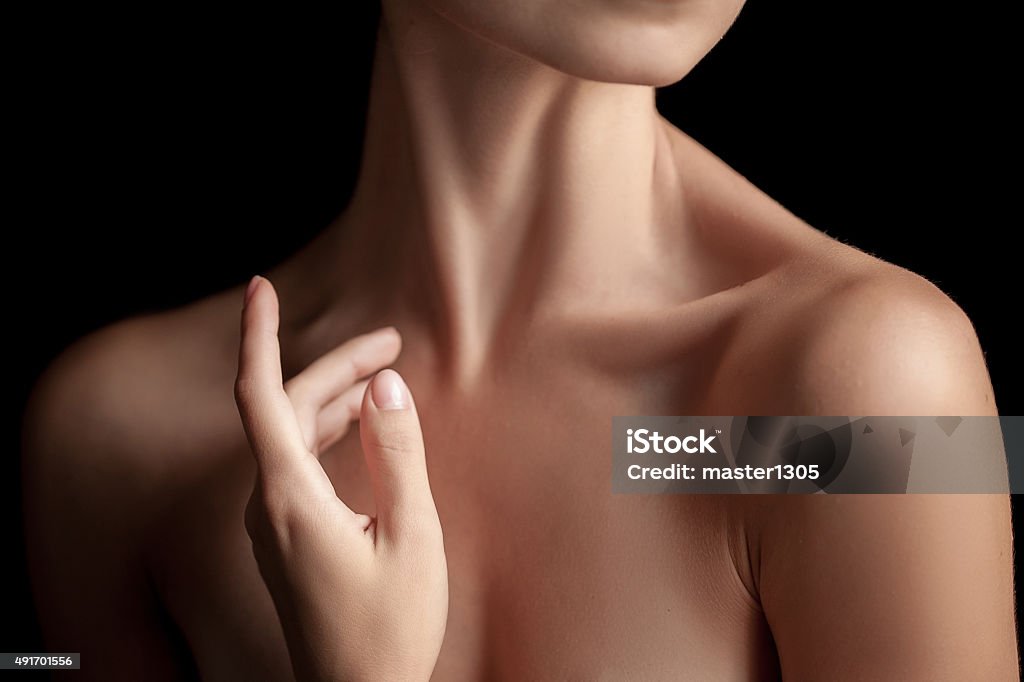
(266, 411)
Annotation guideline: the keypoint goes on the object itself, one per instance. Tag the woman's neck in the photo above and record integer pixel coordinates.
(492, 184)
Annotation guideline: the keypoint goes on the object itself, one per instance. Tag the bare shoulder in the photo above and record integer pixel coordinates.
(125, 412)
(828, 329)
(125, 391)
(125, 405)
(867, 337)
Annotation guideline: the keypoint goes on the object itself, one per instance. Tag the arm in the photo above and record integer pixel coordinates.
(85, 513)
(915, 587)
(908, 587)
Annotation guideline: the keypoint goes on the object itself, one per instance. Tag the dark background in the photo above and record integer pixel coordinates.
(163, 154)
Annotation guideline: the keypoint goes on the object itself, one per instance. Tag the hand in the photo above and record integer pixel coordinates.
(359, 598)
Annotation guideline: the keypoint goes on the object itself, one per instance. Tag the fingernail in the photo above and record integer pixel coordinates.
(251, 289)
(389, 391)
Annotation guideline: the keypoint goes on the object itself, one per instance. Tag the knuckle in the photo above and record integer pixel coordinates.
(396, 443)
(245, 390)
(273, 517)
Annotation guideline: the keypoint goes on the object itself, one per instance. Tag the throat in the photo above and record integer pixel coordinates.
(494, 187)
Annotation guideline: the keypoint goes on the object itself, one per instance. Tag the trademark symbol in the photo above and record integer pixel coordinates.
(718, 430)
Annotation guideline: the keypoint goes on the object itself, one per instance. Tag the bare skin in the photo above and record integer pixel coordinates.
(553, 254)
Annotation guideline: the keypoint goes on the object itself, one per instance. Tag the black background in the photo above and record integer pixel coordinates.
(164, 154)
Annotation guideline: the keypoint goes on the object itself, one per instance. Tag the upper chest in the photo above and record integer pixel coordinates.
(550, 575)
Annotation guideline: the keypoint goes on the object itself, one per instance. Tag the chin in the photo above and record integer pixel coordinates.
(651, 63)
(639, 43)
(641, 53)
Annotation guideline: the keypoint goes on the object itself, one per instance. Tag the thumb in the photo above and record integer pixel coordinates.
(393, 444)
